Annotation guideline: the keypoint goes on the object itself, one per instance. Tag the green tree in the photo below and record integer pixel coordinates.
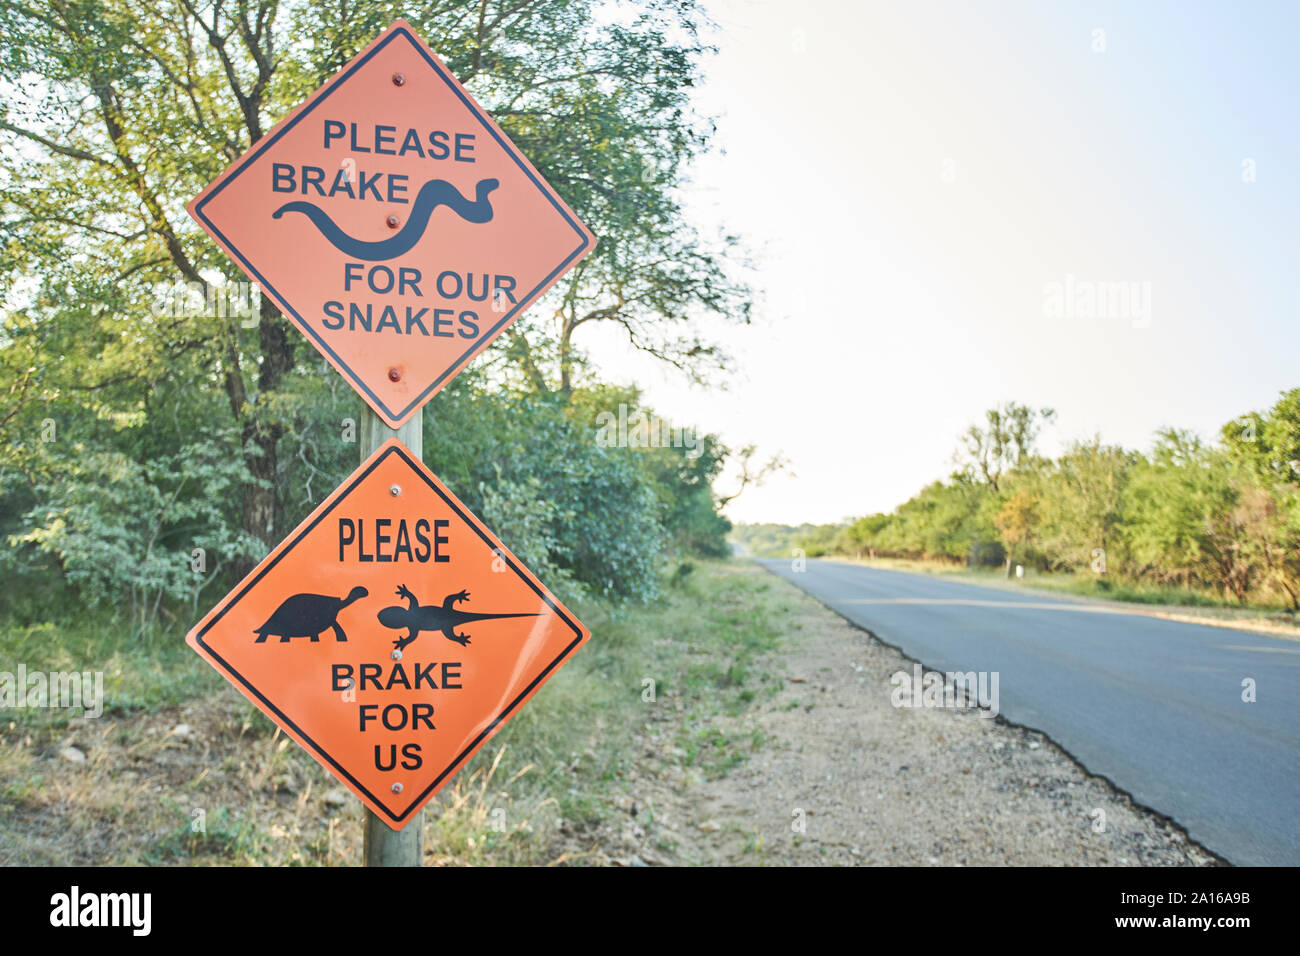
(1267, 446)
(120, 112)
(1006, 441)
(865, 533)
(1015, 522)
(1081, 498)
(1268, 443)
(1187, 518)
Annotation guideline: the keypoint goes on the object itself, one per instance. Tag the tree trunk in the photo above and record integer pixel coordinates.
(566, 360)
(263, 512)
(382, 846)
(259, 498)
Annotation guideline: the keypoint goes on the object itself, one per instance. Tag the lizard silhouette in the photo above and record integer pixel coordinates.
(417, 617)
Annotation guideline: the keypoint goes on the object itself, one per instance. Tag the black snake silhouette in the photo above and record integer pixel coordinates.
(434, 193)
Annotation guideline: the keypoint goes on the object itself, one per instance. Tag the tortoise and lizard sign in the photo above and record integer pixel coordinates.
(394, 223)
(391, 634)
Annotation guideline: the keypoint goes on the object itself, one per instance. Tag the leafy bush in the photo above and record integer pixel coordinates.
(123, 532)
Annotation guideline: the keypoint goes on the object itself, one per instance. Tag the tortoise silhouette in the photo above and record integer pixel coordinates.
(307, 615)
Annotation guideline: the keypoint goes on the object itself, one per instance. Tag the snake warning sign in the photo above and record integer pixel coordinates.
(391, 634)
(394, 223)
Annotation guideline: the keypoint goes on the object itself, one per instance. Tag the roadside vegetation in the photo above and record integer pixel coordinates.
(162, 427)
(176, 741)
(1187, 522)
(159, 433)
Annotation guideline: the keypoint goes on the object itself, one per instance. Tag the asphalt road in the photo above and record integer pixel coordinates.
(1153, 705)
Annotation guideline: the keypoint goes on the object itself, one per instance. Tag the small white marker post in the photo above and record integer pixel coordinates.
(384, 846)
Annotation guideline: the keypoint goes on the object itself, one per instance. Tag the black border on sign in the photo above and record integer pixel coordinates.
(298, 536)
(304, 326)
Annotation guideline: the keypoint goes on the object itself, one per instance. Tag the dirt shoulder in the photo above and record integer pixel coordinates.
(843, 777)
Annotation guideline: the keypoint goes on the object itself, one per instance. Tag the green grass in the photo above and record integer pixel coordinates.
(1108, 587)
(1113, 589)
(1104, 587)
(556, 767)
(568, 752)
(218, 836)
(142, 671)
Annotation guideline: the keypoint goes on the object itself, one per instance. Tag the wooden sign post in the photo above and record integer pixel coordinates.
(382, 845)
(400, 230)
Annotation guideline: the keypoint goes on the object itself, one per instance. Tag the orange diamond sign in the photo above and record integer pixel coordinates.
(394, 223)
(390, 634)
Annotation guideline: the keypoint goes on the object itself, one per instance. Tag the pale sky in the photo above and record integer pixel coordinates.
(911, 177)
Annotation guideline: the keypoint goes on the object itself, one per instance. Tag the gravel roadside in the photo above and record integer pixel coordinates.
(843, 777)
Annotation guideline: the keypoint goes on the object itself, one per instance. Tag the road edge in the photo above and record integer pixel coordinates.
(1219, 858)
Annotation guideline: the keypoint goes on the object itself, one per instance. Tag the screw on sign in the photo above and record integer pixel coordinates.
(394, 223)
(382, 636)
